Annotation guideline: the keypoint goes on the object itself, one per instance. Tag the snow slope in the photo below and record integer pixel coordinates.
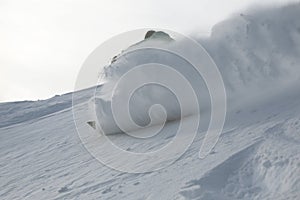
(257, 156)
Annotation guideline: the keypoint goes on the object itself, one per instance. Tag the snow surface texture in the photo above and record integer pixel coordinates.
(257, 156)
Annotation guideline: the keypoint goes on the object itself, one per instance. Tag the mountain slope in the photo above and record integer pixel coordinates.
(257, 156)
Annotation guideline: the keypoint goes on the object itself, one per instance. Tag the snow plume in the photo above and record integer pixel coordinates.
(256, 52)
(166, 86)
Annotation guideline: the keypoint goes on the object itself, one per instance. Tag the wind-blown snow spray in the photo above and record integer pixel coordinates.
(157, 80)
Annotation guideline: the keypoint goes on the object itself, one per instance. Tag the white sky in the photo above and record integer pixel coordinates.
(44, 43)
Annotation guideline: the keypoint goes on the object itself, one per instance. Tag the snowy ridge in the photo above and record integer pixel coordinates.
(23, 111)
(257, 156)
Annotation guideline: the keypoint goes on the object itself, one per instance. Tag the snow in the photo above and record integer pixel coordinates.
(257, 156)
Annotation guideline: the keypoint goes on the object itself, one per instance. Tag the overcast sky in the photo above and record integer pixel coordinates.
(44, 43)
